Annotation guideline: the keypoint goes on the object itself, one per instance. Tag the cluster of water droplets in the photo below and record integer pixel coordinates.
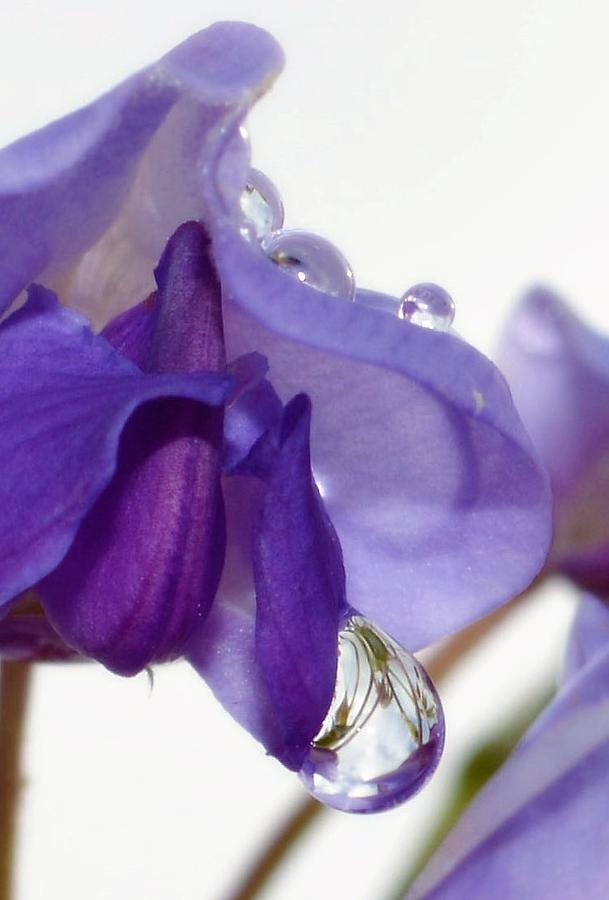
(383, 735)
(314, 261)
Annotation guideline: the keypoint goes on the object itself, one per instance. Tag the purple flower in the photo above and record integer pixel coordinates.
(558, 370)
(112, 443)
(97, 462)
(539, 827)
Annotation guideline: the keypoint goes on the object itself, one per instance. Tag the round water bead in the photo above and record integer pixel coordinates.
(312, 260)
(383, 735)
(427, 305)
(261, 207)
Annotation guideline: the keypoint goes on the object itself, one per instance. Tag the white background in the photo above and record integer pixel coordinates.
(463, 143)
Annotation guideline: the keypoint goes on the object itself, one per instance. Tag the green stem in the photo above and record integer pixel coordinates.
(278, 848)
(14, 690)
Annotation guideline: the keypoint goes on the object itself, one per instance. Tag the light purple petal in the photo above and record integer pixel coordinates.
(145, 564)
(66, 397)
(540, 827)
(558, 370)
(124, 172)
(589, 634)
(418, 452)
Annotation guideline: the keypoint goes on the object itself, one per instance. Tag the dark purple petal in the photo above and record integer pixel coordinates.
(30, 637)
(178, 329)
(539, 828)
(124, 172)
(146, 560)
(418, 452)
(588, 568)
(247, 418)
(272, 660)
(300, 589)
(132, 332)
(145, 564)
(558, 370)
(66, 396)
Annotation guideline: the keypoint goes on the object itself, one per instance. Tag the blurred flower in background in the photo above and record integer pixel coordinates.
(558, 371)
(539, 827)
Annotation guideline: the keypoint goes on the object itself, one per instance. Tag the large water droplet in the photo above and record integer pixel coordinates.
(383, 735)
(427, 305)
(261, 207)
(312, 260)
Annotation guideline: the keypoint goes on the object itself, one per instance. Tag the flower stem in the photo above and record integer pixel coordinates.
(14, 689)
(278, 848)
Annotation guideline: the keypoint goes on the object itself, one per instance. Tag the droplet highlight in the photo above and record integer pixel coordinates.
(312, 260)
(261, 207)
(427, 305)
(383, 735)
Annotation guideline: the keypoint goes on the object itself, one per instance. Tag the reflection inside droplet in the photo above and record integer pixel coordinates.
(261, 206)
(312, 260)
(427, 305)
(383, 735)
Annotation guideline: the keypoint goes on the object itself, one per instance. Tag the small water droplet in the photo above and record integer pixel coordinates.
(312, 260)
(261, 207)
(427, 305)
(383, 735)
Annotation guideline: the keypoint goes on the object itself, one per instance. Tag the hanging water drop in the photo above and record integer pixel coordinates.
(261, 207)
(427, 305)
(383, 735)
(312, 260)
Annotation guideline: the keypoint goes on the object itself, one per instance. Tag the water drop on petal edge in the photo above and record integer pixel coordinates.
(312, 260)
(383, 735)
(261, 207)
(427, 305)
